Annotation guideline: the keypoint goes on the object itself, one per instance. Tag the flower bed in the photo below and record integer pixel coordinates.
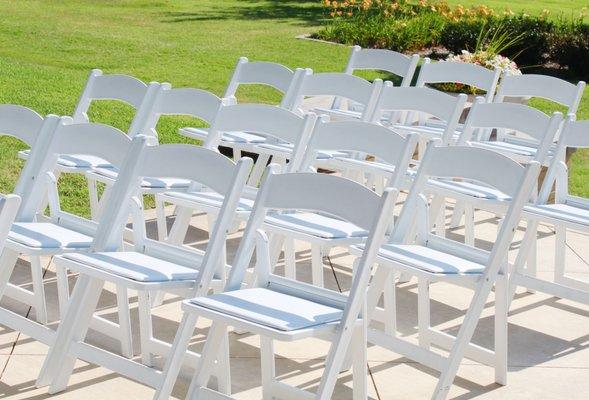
(406, 26)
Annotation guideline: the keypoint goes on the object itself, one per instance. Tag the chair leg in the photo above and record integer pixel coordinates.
(8, 260)
(162, 226)
(145, 327)
(559, 253)
(176, 356)
(268, 365)
(63, 289)
(390, 304)
(124, 315)
(60, 360)
(457, 214)
(469, 224)
(93, 197)
(180, 226)
(360, 363)
(38, 289)
(317, 265)
(290, 266)
(208, 357)
(423, 312)
(524, 254)
(501, 329)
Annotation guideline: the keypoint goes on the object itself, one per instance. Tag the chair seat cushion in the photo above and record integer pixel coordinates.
(561, 212)
(287, 148)
(136, 266)
(210, 199)
(231, 137)
(428, 259)
(148, 183)
(266, 307)
(45, 235)
(83, 161)
(316, 225)
(469, 189)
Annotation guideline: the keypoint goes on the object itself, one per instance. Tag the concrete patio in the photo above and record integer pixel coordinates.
(548, 339)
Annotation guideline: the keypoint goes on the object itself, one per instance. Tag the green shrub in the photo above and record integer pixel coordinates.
(569, 46)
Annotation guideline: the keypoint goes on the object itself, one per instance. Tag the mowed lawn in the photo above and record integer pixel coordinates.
(48, 48)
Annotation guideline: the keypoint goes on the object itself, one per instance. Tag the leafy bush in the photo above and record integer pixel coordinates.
(569, 46)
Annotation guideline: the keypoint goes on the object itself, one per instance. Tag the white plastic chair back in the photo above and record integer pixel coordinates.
(543, 86)
(261, 73)
(383, 60)
(459, 72)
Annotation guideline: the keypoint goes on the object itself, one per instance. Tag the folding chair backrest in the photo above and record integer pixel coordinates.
(575, 135)
(543, 86)
(109, 87)
(459, 72)
(383, 60)
(265, 120)
(483, 166)
(339, 85)
(190, 102)
(332, 195)
(365, 138)
(520, 118)
(20, 122)
(99, 140)
(9, 205)
(425, 101)
(261, 73)
(183, 161)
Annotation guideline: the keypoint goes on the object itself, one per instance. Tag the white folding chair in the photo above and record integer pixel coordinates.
(431, 258)
(261, 119)
(392, 153)
(406, 102)
(532, 125)
(190, 102)
(151, 265)
(264, 73)
(472, 75)
(283, 309)
(312, 90)
(542, 86)
(567, 213)
(63, 232)
(380, 60)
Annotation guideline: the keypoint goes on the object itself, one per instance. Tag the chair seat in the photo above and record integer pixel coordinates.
(434, 131)
(136, 266)
(210, 199)
(230, 137)
(428, 259)
(81, 161)
(469, 189)
(316, 225)
(46, 235)
(148, 183)
(560, 212)
(269, 308)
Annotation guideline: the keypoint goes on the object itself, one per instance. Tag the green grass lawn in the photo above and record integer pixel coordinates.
(47, 49)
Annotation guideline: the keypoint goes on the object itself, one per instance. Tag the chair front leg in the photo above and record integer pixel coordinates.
(63, 289)
(559, 253)
(176, 356)
(501, 328)
(360, 363)
(457, 214)
(93, 197)
(317, 265)
(423, 312)
(162, 224)
(290, 266)
(60, 360)
(38, 289)
(268, 366)
(180, 226)
(145, 327)
(124, 314)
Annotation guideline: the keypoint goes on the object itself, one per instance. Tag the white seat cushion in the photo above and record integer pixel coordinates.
(506, 147)
(287, 148)
(136, 266)
(469, 189)
(210, 199)
(230, 137)
(45, 235)
(148, 183)
(269, 308)
(562, 212)
(316, 225)
(74, 160)
(428, 259)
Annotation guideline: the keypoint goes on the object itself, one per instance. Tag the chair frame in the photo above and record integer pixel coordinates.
(450, 161)
(187, 161)
(293, 191)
